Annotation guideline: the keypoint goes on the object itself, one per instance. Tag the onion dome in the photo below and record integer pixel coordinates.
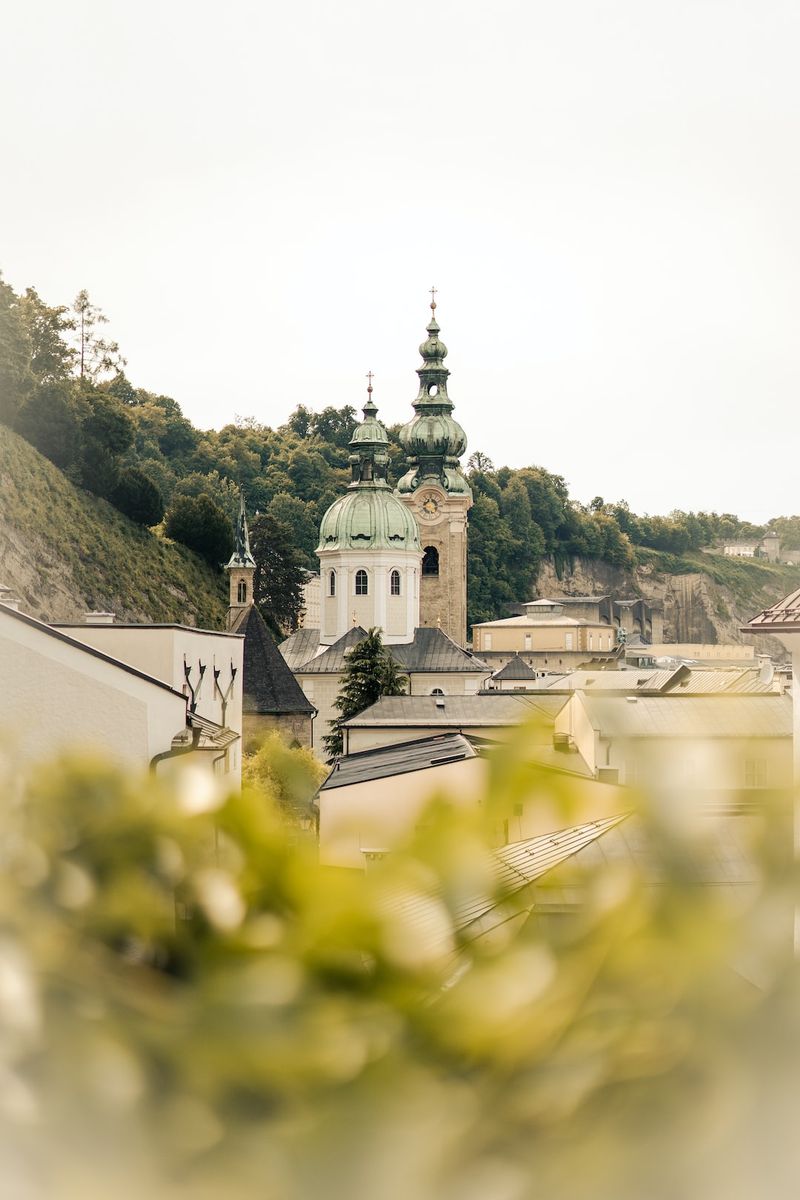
(433, 440)
(369, 516)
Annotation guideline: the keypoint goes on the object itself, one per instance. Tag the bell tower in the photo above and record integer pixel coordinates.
(241, 568)
(437, 492)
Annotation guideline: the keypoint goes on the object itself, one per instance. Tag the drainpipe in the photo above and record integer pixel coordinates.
(176, 753)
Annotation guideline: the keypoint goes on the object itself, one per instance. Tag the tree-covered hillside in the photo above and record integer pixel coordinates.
(63, 388)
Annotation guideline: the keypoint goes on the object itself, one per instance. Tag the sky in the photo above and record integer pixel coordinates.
(605, 194)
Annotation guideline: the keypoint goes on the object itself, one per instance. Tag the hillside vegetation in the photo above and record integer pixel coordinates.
(64, 551)
(63, 388)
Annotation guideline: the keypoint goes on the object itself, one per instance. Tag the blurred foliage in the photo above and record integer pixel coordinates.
(288, 777)
(192, 1007)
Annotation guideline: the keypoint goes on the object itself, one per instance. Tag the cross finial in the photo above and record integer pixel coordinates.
(370, 378)
(355, 620)
(433, 298)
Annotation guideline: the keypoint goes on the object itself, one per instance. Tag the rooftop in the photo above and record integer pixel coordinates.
(268, 685)
(399, 759)
(781, 617)
(430, 651)
(499, 709)
(729, 715)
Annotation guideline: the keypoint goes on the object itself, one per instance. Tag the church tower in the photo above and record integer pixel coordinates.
(241, 569)
(437, 492)
(369, 551)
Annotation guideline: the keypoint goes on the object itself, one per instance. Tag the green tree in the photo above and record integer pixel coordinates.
(370, 672)
(278, 583)
(138, 497)
(288, 775)
(16, 377)
(200, 524)
(48, 328)
(49, 420)
(96, 356)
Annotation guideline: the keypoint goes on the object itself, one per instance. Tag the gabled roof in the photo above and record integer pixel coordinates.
(299, 647)
(331, 659)
(269, 686)
(781, 617)
(399, 759)
(433, 650)
(515, 668)
(430, 651)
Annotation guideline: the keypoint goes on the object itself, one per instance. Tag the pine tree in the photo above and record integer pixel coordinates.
(370, 672)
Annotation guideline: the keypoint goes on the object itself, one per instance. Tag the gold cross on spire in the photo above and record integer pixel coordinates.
(370, 378)
(433, 298)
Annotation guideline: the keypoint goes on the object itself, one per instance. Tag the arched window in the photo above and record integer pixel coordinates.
(394, 583)
(430, 561)
(332, 583)
(437, 692)
(362, 583)
(241, 592)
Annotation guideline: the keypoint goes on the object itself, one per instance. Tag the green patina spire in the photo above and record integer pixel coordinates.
(433, 440)
(369, 515)
(242, 556)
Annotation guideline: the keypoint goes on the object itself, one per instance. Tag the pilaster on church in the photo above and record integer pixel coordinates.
(436, 490)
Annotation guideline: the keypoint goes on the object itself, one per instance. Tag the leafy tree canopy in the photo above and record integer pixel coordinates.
(370, 672)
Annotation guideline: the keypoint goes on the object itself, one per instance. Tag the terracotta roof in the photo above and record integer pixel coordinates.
(269, 685)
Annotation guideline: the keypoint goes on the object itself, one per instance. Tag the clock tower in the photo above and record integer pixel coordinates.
(437, 492)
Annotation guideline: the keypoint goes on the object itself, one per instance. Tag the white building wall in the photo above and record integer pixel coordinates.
(56, 697)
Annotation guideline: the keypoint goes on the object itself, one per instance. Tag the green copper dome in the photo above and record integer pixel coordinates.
(433, 440)
(369, 516)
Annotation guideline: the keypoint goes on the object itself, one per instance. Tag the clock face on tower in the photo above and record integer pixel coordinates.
(429, 505)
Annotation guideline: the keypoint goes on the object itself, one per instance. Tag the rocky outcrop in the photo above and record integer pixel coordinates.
(697, 605)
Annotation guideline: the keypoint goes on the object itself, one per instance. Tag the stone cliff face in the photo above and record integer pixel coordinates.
(697, 607)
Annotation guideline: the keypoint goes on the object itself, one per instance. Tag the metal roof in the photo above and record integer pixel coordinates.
(782, 616)
(430, 651)
(728, 715)
(511, 870)
(399, 759)
(482, 709)
(515, 668)
(268, 683)
(630, 681)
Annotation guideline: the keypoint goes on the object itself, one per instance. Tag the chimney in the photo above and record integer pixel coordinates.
(766, 672)
(99, 618)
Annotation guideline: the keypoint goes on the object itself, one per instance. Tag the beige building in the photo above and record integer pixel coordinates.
(713, 749)
(554, 635)
(372, 802)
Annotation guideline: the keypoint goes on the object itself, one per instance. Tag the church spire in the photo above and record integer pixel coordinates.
(369, 458)
(433, 440)
(241, 556)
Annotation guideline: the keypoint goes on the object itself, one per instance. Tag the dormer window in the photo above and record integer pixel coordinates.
(394, 583)
(362, 583)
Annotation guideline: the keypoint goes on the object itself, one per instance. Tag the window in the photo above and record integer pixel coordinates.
(332, 583)
(487, 641)
(437, 692)
(241, 592)
(394, 583)
(527, 641)
(430, 561)
(568, 641)
(362, 583)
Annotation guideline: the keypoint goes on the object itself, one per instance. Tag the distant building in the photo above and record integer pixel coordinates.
(766, 547)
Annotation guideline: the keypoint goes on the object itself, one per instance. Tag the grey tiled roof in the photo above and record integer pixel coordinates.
(483, 709)
(299, 647)
(430, 651)
(269, 686)
(515, 668)
(399, 759)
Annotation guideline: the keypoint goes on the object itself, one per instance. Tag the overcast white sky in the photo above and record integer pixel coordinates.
(606, 195)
